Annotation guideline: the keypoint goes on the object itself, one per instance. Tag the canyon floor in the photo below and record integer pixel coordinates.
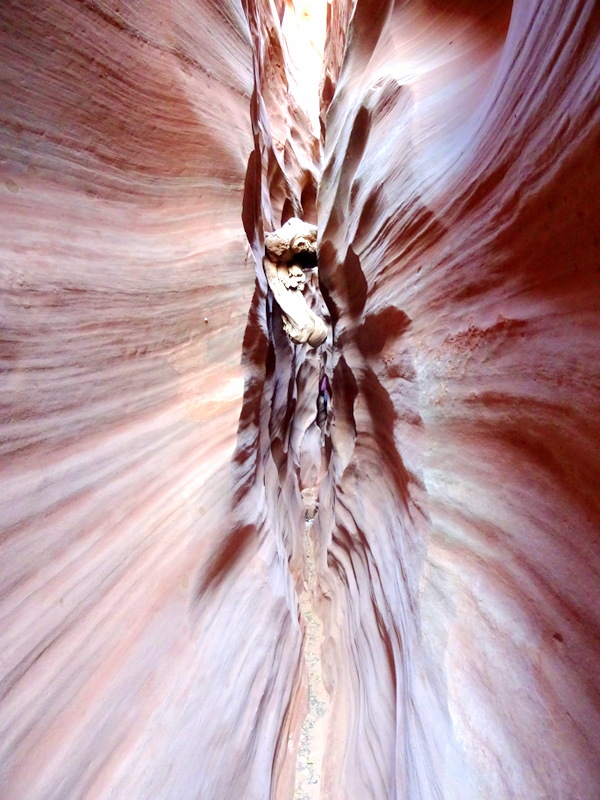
(312, 738)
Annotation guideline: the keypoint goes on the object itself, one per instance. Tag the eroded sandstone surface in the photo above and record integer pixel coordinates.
(159, 426)
(459, 250)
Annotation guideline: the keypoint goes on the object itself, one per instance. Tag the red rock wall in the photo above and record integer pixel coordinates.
(459, 520)
(150, 510)
(150, 640)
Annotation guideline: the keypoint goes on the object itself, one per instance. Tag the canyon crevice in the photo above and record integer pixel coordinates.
(171, 627)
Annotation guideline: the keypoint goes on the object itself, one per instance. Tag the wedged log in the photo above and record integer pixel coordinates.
(289, 251)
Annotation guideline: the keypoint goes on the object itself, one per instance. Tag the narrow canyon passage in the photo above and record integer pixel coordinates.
(272, 528)
(311, 750)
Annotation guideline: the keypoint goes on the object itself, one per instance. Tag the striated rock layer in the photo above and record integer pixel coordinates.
(159, 428)
(149, 624)
(459, 519)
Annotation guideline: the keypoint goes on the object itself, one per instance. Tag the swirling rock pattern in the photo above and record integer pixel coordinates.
(126, 282)
(459, 519)
(151, 532)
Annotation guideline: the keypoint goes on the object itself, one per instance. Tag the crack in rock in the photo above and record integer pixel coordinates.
(313, 735)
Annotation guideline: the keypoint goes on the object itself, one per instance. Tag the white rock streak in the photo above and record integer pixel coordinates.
(286, 251)
(312, 738)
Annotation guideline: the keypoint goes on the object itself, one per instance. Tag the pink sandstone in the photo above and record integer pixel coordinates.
(159, 428)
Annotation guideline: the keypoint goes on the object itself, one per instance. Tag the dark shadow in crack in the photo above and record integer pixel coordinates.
(379, 329)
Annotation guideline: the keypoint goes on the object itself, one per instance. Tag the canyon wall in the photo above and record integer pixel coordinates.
(159, 427)
(150, 636)
(459, 519)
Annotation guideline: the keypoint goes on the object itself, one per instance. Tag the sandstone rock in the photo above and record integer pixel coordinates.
(459, 258)
(159, 435)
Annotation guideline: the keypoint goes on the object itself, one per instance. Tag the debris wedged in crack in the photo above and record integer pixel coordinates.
(289, 251)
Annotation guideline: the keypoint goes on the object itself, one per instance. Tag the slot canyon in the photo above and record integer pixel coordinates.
(314, 517)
